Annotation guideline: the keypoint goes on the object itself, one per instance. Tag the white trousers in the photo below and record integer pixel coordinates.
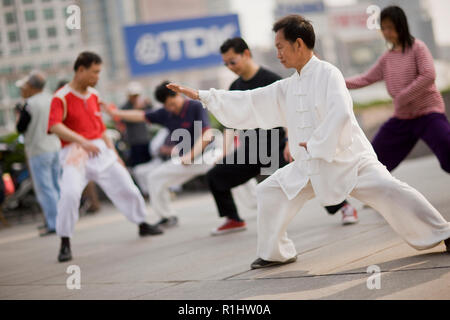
(404, 208)
(141, 171)
(114, 179)
(172, 173)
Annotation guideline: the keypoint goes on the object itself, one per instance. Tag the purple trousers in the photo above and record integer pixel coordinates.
(397, 137)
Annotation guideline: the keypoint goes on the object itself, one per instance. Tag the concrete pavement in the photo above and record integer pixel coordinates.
(187, 263)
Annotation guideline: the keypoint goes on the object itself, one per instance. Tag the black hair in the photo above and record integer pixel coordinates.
(162, 92)
(398, 18)
(295, 26)
(237, 44)
(86, 59)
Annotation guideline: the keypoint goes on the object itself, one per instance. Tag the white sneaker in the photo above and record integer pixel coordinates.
(349, 215)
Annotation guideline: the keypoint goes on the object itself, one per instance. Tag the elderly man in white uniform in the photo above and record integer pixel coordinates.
(333, 158)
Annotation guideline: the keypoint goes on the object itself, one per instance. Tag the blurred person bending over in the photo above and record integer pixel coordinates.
(189, 149)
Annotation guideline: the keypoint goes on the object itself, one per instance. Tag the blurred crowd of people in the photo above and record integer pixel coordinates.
(69, 150)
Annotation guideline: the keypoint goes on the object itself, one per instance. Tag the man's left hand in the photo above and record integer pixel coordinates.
(304, 145)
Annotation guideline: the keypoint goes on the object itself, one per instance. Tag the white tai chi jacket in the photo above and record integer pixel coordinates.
(316, 107)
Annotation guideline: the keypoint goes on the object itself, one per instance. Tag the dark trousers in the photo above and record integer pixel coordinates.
(223, 177)
(397, 137)
(139, 153)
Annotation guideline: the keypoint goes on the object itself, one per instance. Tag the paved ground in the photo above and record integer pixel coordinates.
(187, 263)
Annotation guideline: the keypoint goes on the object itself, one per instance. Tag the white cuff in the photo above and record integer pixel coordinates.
(204, 97)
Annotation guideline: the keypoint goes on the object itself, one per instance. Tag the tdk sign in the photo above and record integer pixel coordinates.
(175, 45)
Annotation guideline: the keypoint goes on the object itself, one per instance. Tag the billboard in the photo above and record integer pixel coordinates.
(177, 45)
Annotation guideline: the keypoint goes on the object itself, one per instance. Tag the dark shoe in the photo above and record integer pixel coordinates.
(146, 229)
(168, 222)
(447, 244)
(65, 254)
(260, 263)
(42, 226)
(47, 233)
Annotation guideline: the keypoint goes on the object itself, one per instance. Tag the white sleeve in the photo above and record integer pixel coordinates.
(257, 108)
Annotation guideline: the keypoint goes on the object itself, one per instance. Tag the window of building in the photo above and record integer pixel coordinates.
(12, 36)
(30, 15)
(13, 91)
(27, 1)
(49, 14)
(6, 70)
(10, 18)
(7, 3)
(33, 34)
(51, 32)
(27, 68)
(2, 117)
(46, 66)
(35, 49)
(15, 51)
(53, 47)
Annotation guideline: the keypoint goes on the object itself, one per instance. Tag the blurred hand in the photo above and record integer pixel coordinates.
(191, 93)
(304, 145)
(287, 153)
(91, 149)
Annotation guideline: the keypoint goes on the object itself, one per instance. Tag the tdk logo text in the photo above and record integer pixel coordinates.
(195, 42)
(176, 45)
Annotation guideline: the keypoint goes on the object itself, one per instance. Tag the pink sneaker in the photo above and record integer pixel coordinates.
(229, 226)
(349, 215)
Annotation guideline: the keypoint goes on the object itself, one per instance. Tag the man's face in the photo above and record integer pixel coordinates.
(133, 98)
(91, 75)
(236, 62)
(174, 104)
(288, 53)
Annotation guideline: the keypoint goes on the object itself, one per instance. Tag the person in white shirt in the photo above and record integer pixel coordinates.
(333, 158)
(42, 150)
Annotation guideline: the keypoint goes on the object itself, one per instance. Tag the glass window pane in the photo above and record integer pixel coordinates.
(32, 34)
(10, 18)
(12, 36)
(30, 15)
(49, 14)
(51, 32)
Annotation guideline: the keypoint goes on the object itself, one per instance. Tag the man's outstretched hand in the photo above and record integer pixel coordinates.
(191, 93)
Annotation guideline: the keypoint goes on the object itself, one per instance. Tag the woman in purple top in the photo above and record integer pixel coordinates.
(408, 70)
